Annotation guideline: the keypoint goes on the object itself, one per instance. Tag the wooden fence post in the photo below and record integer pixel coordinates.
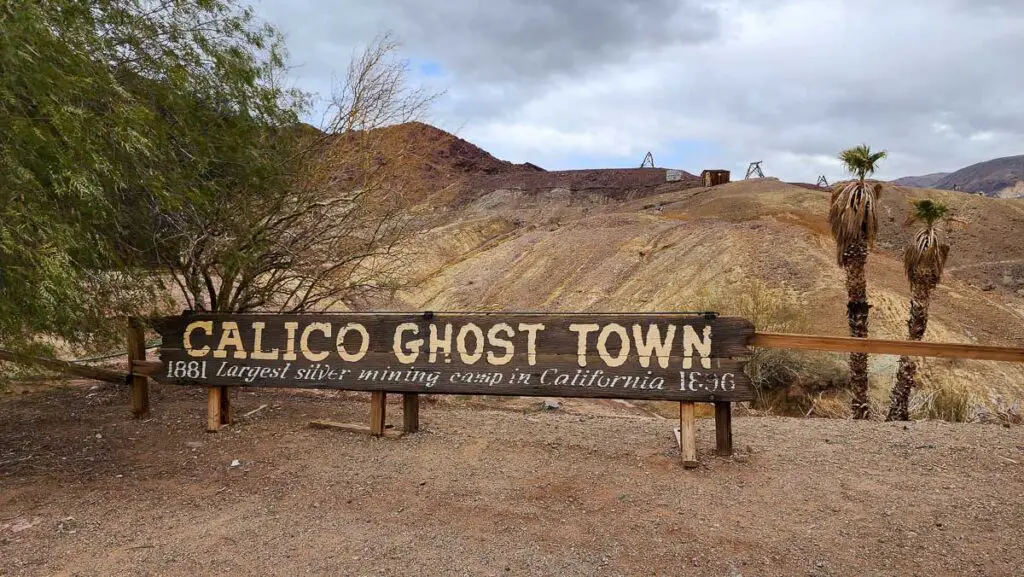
(688, 434)
(723, 429)
(378, 403)
(410, 412)
(139, 384)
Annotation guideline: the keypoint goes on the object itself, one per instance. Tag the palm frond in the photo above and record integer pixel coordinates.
(929, 211)
(860, 161)
(852, 215)
(927, 254)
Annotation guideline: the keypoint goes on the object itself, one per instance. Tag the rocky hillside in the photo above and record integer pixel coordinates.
(679, 246)
(991, 177)
(453, 154)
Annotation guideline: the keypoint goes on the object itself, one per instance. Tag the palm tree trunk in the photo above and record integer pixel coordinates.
(855, 259)
(920, 298)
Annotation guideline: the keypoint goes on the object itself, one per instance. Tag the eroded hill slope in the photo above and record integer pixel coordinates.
(669, 251)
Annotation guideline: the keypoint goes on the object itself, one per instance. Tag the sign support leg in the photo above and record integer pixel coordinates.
(139, 384)
(723, 429)
(688, 434)
(213, 409)
(410, 412)
(226, 417)
(378, 402)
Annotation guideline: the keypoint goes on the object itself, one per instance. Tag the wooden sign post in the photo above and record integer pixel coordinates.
(668, 357)
(138, 383)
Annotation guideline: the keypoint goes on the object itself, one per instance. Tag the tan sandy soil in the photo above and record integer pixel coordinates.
(584, 490)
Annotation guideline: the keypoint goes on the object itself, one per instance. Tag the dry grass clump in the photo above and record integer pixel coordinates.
(944, 401)
(1001, 412)
(834, 405)
(953, 402)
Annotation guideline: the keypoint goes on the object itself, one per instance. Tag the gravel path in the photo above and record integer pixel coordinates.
(85, 490)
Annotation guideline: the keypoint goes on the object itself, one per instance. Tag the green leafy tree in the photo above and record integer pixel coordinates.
(112, 113)
(854, 223)
(924, 260)
(322, 223)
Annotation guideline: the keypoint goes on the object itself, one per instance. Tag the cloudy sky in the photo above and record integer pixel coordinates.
(701, 84)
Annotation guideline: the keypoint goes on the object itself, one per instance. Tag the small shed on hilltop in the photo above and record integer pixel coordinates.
(714, 177)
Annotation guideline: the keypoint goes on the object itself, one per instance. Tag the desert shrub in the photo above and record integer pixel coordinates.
(767, 307)
(786, 382)
(944, 400)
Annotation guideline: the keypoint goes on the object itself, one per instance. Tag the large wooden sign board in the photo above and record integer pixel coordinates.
(623, 356)
(670, 357)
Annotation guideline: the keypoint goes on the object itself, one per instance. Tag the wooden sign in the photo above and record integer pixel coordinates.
(672, 357)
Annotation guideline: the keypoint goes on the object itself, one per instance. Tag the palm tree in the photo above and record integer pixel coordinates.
(853, 222)
(923, 262)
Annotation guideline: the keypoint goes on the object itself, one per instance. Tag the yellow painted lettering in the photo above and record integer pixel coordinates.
(407, 354)
(364, 342)
(324, 328)
(230, 336)
(581, 348)
(206, 327)
(257, 344)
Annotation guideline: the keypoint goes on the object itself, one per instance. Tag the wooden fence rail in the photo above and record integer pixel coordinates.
(887, 347)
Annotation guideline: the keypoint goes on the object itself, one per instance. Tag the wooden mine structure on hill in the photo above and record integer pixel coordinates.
(714, 177)
(754, 170)
(648, 161)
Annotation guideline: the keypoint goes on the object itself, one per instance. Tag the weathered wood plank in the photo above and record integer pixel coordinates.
(556, 377)
(725, 383)
(213, 408)
(410, 412)
(886, 347)
(378, 406)
(723, 429)
(148, 368)
(630, 356)
(728, 334)
(522, 363)
(688, 434)
(226, 417)
(139, 383)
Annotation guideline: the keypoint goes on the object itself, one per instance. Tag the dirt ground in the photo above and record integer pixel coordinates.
(587, 489)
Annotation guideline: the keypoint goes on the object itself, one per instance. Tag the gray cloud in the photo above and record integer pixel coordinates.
(516, 41)
(788, 81)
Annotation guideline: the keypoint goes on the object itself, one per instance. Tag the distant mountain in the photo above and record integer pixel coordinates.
(991, 177)
(924, 181)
